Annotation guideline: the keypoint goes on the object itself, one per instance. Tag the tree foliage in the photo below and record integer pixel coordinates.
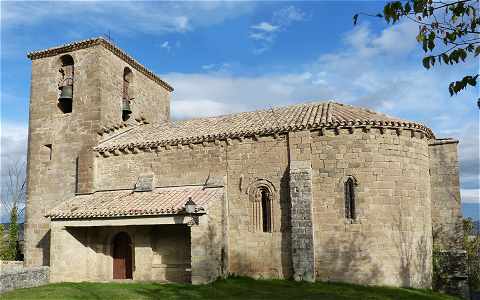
(471, 244)
(14, 202)
(1, 241)
(449, 32)
(11, 247)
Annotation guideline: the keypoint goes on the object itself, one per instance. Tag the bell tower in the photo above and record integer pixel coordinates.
(79, 91)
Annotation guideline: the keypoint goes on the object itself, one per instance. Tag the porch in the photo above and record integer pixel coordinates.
(174, 246)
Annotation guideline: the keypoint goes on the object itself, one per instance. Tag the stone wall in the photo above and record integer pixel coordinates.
(445, 191)
(10, 265)
(389, 242)
(171, 166)
(209, 259)
(23, 278)
(253, 163)
(150, 100)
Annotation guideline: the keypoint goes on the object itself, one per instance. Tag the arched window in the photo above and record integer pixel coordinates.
(127, 93)
(266, 210)
(262, 195)
(65, 84)
(350, 198)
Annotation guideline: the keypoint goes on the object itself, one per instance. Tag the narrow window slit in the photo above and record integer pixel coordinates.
(48, 151)
(266, 211)
(350, 199)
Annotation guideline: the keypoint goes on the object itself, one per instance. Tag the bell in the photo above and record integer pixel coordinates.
(66, 93)
(126, 106)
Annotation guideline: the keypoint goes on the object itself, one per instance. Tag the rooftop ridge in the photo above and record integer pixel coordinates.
(268, 121)
(82, 44)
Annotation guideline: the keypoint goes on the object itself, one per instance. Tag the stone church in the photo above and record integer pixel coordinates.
(315, 191)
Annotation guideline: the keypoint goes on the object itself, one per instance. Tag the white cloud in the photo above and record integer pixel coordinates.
(470, 196)
(122, 16)
(166, 45)
(265, 26)
(218, 68)
(261, 36)
(265, 32)
(194, 108)
(13, 138)
(287, 15)
(208, 67)
(392, 41)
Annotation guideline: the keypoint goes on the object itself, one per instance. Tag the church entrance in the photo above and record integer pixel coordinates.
(122, 256)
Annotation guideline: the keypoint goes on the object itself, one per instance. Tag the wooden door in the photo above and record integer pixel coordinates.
(122, 256)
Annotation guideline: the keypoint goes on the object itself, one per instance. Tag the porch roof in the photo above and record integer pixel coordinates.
(128, 203)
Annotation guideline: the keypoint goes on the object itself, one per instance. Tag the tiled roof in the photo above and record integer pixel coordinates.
(108, 45)
(263, 122)
(126, 203)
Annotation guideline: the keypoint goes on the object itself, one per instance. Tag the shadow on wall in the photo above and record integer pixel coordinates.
(285, 227)
(44, 244)
(414, 250)
(350, 260)
(261, 262)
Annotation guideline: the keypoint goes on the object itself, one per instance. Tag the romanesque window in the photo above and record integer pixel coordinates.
(350, 198)
(261, 206)
(127, 93)
(266, 210)
(65, 84)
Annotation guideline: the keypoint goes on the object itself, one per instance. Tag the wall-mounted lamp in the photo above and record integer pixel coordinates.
(191, 209)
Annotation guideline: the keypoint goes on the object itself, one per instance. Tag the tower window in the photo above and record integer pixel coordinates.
(47, 152)
(350, 212)
(65, 84)
(127, 94)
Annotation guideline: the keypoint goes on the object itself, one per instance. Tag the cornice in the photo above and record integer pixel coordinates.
(107, 45)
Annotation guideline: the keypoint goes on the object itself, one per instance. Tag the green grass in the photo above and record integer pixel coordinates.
(233, 288)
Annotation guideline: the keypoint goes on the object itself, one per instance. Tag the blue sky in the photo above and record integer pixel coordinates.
(224, 57)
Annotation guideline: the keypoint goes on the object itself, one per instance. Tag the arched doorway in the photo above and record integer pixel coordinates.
(122, 256)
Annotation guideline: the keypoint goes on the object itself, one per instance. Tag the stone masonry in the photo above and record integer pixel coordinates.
(23, 278)
(301, 214)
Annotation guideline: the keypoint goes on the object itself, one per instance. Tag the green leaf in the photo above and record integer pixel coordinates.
(477, 51)
(446, 58)
(420, 37)
(387, 12)
(462, 54)
(454, 56)
(426, 62)
(431, 45)
(407, 8)
(450, 88)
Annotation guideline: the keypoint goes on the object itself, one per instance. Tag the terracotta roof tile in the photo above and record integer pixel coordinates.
(123, 203)
(263, 122)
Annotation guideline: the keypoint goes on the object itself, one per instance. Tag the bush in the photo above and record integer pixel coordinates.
(471, 243)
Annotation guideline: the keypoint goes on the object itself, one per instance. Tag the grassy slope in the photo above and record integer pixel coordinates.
(234, 288)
